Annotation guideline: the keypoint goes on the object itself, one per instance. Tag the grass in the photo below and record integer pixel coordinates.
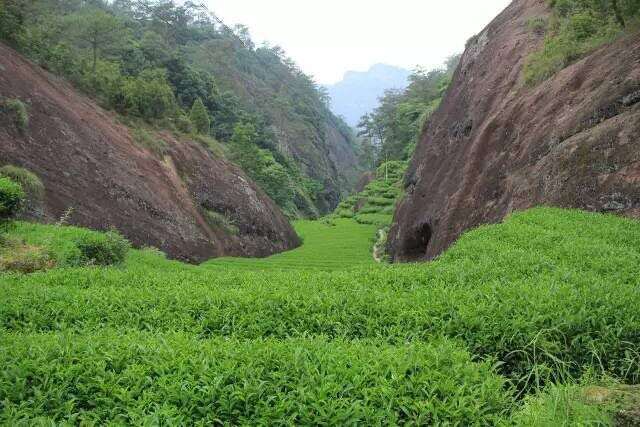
(61, 246)
(18, 111)
(494, 332)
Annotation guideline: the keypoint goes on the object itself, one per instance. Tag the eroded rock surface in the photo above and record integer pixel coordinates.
(497, 145)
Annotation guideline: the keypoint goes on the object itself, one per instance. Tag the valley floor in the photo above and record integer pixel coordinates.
(531, 322)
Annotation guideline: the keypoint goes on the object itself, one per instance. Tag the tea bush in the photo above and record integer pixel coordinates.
(11, 198)
(480, 336)
(141, 378)
(102, 248)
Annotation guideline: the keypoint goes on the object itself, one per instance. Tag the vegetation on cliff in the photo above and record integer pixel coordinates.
(575, 28)
(180, 68)
(393, 129)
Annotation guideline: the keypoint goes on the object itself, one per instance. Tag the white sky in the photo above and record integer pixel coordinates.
(327, 38)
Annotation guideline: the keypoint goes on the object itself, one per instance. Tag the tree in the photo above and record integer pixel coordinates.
(618, 13)
(99, 30)
(148, 95)
(11, 20)
(200, 117)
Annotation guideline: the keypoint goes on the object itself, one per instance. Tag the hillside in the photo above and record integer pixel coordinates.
(513, 310)
(358, 92)
(177, 67)
(502, 141)
(185, 200)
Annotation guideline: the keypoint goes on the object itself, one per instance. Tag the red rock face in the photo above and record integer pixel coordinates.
(89, 162)
(497, 145)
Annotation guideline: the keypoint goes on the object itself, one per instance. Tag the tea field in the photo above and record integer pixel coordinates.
(535, 321)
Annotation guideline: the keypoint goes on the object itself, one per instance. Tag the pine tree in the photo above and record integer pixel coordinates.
(200, 117)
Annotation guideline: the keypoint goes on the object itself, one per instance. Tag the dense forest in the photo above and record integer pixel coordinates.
(393, 129)
(166, 66)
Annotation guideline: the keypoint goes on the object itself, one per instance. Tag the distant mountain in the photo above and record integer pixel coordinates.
(358, 92)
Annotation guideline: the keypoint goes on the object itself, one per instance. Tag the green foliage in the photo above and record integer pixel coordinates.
(97, 31)
(576, 28)
(200, 117)
(157, 60)
(537, 25)
(148, 95)
(11, 20)
(392, 131)
(174, 378)
(260, 164)
(184, 124)
(150, 141)
(547, 296)
(12, 198)
(18, 111)
(31, 184)
(102, 248)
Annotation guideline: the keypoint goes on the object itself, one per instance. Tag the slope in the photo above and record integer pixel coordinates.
(178, 201)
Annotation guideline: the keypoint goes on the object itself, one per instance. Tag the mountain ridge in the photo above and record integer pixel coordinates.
(358, 92)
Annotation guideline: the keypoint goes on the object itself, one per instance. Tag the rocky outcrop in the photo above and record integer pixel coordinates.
(188, 202)
(496, 145)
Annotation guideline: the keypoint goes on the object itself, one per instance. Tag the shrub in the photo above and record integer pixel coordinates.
(18, 110)
(184, 124)
(537, 25)
(138, 378)
(31, 185)
(151, 142)
(102, 248)
(220, 221)
(149, 95)
(11, 198)
(200, 117)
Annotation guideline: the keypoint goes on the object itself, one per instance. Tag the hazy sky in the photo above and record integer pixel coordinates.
(327, 38)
